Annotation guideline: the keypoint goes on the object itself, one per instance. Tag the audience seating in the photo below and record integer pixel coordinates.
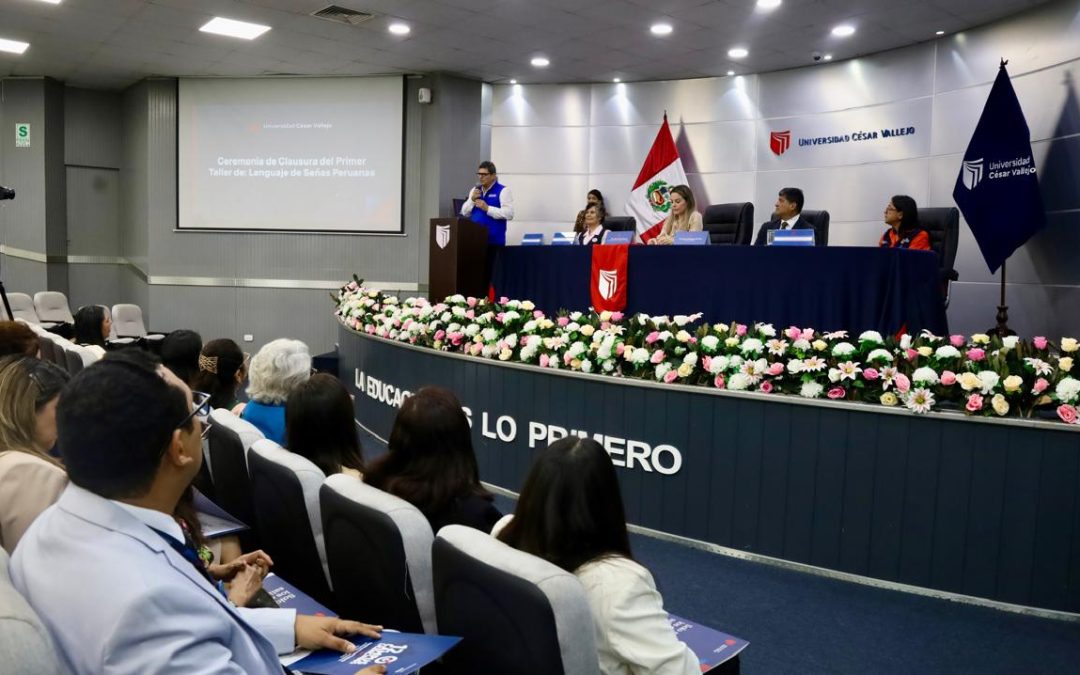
(228, 442)
(393, 539)
(820, 221)
(25, 645)
(285, 495)
(22, 307)
(620, 223)
(52, 308)
(517, 613)
(731, 224)
(943, 226)
(127, 322)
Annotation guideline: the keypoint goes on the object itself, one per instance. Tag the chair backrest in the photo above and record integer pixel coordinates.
(127, 321)
(26, 647)
(47, 347)
(394, 539)
(820, 221)
(228, 442)
(22, 306)
(73, 360)
(729, 223)
(52, 306)
(285, 494)
(620, 223)
(943, 226)
(517, 613)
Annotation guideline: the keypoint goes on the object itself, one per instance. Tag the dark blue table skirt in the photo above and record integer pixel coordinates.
(826, 288)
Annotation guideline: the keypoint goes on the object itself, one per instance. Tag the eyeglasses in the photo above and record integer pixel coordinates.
(200, 411)
(890, 207)
(483, 174)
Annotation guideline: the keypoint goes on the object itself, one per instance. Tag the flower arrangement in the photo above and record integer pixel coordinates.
(978, 374)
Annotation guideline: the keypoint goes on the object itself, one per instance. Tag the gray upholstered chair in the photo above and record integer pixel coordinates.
(22, 306)
(127, 322)
(517, 613)
(394, 539)
(224, 477)
(52, 308)
(820, 221)
(620, 223)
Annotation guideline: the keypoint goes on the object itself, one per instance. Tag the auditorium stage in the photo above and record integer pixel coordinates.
(978, 506)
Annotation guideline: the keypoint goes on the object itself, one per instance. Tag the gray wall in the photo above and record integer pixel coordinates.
(552, 143)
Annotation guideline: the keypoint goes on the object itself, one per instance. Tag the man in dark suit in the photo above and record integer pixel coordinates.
(787, 216)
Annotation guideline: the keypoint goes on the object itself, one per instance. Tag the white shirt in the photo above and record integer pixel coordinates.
(505, 210)
(790, 222)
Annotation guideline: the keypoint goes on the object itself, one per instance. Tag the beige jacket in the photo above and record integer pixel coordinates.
(667, 235)
(28, 486)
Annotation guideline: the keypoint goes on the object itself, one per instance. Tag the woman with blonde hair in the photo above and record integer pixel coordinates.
(683, 216)
(30, 479)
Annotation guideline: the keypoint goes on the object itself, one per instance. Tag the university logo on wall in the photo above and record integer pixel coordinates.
(442, 235)
(608, 283)
(973, 173)
(779, 141)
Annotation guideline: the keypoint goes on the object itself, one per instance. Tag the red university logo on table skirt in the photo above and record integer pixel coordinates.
(608, 283)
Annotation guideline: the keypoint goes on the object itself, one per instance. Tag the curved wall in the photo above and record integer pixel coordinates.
(552, 143)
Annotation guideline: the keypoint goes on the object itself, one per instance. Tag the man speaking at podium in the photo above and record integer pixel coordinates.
(490, 204)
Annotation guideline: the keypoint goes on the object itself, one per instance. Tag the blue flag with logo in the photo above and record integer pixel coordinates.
(998, 189)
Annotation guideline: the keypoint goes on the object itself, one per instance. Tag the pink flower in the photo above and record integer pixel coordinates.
(670, 376)
(1040, 386)
(470, 314)
(471, 302)
(976, 354)
(911, 354)
(719, 382)
(616, 316)
(837, 392)
(562, 321)
(369, 329)
(740, 329)
(807, 334)
(567, 358)
(775, 369)
(693, 340)
(871, 374)
(652, 337)
(397, 323)
(657, 356)
(957, 340)
(1067, 413)
(503, 300)
(455, 338)
(440, 334)
(476, 348)
(766, 387)
(537, 314)
(902, 382)
(544, 360)
(1039, 342)
(948, 378)
(501, 317)
(619, 349)
(706, 363)
(793, 333)
(974, 403)
(523, 341)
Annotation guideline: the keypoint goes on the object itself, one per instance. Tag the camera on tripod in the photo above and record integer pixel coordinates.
(6, 193)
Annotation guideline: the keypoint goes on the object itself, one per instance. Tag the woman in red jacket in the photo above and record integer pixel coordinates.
(902, 217)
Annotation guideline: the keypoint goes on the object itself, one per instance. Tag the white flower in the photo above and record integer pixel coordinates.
(849, 370)
(681, 320)
(813, 364)
(751, 346)
(766, 330)
(459, 312)
(735, 361)
(871, 336)
(586, 366)
(811, 390)
(834, 375)
(529, 326)
(572, 327)
(489, 334)
(738, 382)
(925, 375)
(794, 366)
(947, 352)
(691, 359)
(682, 336)
(718, 364)
(753, 370)
(456, 298)
(527, 305)
(919, 400)
(577, 349)
(836, 335)
(1009, 342)
(662, 370)
(575, 316)
(1039, 366)
(731, 342)
(905, 341)
(1067, 390)
(489, 350)
(510, 316)
(843, 349)
(988, 379)
(777, 347)
(880, 355)
(709, 343)
(930, 337)
(888, 374)
(472, 329)
(527, 353)
(802, 345)
(641, 355)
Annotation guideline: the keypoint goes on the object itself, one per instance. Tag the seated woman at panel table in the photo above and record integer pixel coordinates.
(570, 513)
(431, 463)
(319, 426)
(594, 231)
(276, 369)
(92, 327)
(683, 216)
(902, 217)
(594, 197)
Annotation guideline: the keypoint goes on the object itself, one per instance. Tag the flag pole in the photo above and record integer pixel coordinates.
(1002, 329)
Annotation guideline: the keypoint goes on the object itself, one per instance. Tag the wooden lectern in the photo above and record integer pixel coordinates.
(457, 258)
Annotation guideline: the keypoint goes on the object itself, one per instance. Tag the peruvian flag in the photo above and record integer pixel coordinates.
(650, 201)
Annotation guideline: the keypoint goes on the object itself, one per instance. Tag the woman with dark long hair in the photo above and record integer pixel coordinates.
(222, 369)
(570, 513)
(431, 463)
(902, 217)
(319, 425)
(92, 327)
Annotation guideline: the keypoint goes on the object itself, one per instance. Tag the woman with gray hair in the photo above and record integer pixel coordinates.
(274, 372)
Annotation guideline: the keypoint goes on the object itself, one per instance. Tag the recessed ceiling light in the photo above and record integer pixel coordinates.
(768, 4)
(617, 80)
(940, 32)
(661, 29)
(52, 2)
(730, 73)
(828, 57)
(737, 52)
(540, 62)
(513, 81)
(13, 46)
(843, 30)
(399, 28)
(233, 28)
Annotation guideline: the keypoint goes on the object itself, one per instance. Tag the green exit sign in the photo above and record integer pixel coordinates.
(22, 135)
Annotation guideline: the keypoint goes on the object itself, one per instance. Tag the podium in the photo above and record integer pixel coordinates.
(457, 258)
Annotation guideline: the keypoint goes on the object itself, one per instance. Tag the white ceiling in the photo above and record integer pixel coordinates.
(110, 44)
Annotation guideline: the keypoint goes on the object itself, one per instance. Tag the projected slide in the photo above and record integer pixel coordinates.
(301, 154)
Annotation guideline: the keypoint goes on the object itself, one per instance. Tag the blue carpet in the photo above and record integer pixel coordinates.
(802, 623)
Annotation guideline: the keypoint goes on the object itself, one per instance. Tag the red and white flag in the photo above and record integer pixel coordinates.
(650, 201)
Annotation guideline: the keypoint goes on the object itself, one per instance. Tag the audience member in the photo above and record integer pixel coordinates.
(594, 227)
(25, 646)
(278, 368)
(570, 513)
(180, 353)
(222, 369)
(106, 567)
(93, 325)
(595, 197)
(431, 463)
(902, 217)
(787, 215)
(17, 338)
(30, 479)
(683, 216)
(319, 425)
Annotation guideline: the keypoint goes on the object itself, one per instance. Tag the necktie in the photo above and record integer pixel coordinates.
(783, 224)
(190, 555)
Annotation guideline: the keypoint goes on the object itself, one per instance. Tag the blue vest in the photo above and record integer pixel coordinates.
(496, 227)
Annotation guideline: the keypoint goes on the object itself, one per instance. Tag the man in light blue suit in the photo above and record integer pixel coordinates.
(107, 568)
